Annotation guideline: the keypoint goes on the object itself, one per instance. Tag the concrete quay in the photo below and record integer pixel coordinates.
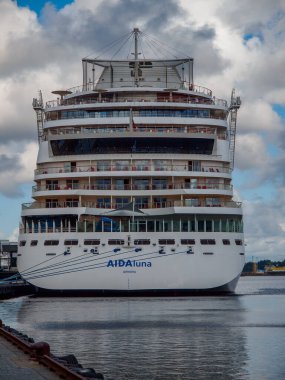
(22, 359)
(16, 365)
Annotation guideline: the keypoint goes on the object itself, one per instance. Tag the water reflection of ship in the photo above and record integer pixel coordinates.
(161, 338)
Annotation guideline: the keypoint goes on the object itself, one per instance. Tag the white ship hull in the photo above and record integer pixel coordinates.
(205, 269)
(133, 191)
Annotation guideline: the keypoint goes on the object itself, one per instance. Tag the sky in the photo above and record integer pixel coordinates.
(235, 43)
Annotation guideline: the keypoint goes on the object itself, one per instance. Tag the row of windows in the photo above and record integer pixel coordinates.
(126, 113)
(130, 145)
(136, 242)
(161, 251)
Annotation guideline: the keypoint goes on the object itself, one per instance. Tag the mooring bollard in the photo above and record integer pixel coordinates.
(40, 348)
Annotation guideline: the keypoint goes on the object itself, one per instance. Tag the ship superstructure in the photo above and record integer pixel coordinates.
(133, 190)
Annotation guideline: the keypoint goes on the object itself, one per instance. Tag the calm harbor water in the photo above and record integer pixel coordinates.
(234, 337)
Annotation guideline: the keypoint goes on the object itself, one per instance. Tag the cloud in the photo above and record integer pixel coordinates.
(258, 116)
(264, 228)
(16, 167)
(251, 152)
(7, 164)
(234, 44)
(14, 235)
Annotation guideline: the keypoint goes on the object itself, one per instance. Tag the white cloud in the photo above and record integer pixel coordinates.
(264, 234)
(17, 167)
(251, 152)
(14, 235)
(258, 116)
(46, 55)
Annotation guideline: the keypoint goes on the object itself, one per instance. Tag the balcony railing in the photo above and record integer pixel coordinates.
(154, 113)
(153, 205)
(142, 129)
(129, 99)
(173, 186)
(139, 224)
(171, 85)
(132, 168)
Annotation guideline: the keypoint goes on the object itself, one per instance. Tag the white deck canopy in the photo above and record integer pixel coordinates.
(139, 71)
(169, 74)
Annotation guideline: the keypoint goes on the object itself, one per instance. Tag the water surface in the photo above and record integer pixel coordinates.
(233, 337)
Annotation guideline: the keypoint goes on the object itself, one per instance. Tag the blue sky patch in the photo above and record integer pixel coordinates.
(280, 109)
(249, 36)
(38, 5)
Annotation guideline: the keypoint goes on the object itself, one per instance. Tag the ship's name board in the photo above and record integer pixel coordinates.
(128, 263)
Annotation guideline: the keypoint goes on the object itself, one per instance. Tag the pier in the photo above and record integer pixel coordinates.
(22, 358)
(15, 364)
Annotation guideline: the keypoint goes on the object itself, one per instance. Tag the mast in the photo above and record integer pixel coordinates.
(136, 32)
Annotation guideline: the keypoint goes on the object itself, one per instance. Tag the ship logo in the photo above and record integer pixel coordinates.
(127, 263)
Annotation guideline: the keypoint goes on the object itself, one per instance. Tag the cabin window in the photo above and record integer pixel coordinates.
(70, 202)
(104, 202)
(166, 241)
(51, 242)
(188, 241)
(116, 242)
(72, 184)
(226, 242)
(121, 202)
(22, 243)
(200, 226)
(52, 185)
(238, 242)
(71, 242)
(103, 165)
(142, 242)
(34, 243)
(91, 242)
(141, 184)
(103, 184)
(51, 203)
(208, 241)
(209, 226)
(122, 165)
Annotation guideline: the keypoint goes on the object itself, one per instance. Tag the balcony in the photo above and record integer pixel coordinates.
(179, 98)
(114, 206)
(132, 167)
(221, 135)
(133, 187)
(70, 114)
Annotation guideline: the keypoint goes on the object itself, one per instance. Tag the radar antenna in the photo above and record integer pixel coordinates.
(39, 108)
(234, 106)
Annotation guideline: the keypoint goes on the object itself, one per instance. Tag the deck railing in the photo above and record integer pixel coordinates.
(89, 204)
(173, 186)
(140, 224)
(141, 129)
(88, 169)
(77, 114)
(171, 86)
(95, 100)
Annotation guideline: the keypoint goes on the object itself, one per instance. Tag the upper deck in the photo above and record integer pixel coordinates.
(137, 80)
(166, 74)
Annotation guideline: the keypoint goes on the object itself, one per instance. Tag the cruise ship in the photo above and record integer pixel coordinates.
(133, 186)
